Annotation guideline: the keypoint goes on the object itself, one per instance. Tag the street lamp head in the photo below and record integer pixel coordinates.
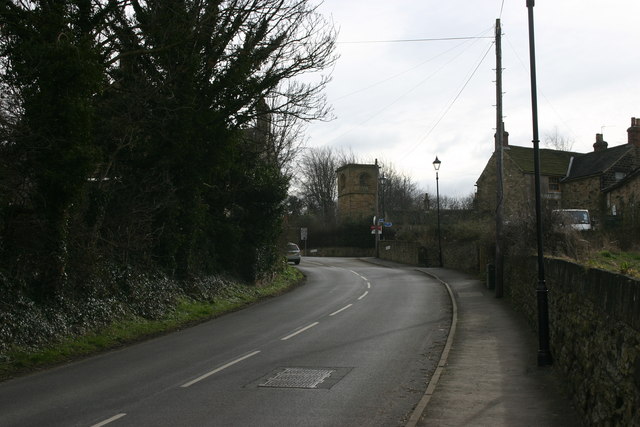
(436, 164)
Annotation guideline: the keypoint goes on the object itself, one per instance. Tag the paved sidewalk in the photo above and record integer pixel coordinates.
(489, 375)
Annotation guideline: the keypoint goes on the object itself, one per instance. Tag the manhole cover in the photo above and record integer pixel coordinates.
(310, 378)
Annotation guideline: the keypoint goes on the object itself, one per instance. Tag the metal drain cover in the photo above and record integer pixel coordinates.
(309, 378)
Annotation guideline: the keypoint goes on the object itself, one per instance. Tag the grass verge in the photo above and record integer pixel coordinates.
(187, 312)
(627, 263)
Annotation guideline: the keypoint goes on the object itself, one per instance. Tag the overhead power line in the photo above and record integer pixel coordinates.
(453, 101)
(414, 40)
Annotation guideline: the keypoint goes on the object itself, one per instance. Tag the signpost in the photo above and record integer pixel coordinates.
(303, 236)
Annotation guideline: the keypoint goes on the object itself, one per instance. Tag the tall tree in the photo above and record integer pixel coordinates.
(210, 65)
(319, 187)
(399, 192)
(557, 141)
(54, 66)
(143, 124)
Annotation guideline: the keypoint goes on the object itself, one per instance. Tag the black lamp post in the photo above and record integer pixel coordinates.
(544, 352)
(436, 166)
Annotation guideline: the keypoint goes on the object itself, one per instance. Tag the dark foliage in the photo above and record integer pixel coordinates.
(135, 136)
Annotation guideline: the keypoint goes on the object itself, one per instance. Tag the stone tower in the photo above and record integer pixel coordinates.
(357, 191)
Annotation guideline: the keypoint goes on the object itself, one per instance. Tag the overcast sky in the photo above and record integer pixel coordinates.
(406, 102)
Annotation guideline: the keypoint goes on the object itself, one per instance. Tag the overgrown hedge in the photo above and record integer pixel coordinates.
(120, 295)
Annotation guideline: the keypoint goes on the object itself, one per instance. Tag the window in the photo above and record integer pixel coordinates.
(554, 184)
(364, 179)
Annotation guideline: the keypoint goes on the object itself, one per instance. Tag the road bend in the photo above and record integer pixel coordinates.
(353, 346)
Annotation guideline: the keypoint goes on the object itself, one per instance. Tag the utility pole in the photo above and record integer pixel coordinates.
(499, 144)
(376, 218)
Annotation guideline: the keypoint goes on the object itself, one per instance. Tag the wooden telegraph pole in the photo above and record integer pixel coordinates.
(499, 144)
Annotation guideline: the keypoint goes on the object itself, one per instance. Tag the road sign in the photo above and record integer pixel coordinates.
(387, 224)
(303, 233)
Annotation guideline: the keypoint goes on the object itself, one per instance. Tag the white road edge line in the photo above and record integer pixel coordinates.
(342, 309)
(215, 371)
(368, 285)
(363, 295)
(109, 420)
(299, 331)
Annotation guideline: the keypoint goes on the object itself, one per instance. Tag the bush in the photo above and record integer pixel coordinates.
(520, 234)
(118, 293)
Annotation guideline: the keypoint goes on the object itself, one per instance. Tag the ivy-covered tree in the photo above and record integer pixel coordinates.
(53, 65)
(137, 132)
(209, 65)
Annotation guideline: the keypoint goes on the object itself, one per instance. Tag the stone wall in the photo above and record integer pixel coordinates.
(517, 191)
(624, 200)
(583, 194)
(594, 319)
(349, 252)
(459, 255)
(402, 252)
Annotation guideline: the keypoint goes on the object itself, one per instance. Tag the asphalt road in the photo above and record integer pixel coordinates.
(353, 346)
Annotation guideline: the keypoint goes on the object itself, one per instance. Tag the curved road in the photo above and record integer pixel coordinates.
(353, 346)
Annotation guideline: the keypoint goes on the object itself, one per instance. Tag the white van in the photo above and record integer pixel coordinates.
(578, 219)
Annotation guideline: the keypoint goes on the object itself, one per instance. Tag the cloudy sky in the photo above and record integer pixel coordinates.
(406, 102)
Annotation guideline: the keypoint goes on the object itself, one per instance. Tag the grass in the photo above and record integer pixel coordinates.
(187, 313)
(627, 263)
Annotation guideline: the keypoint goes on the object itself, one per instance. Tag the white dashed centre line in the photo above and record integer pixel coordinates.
(363, 295)
(208, 374)
(342, 309)
(109, 420)
(299, 331)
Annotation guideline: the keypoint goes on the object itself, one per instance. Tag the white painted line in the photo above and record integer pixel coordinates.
(109, 420)
(342, 309)
(299, 331)
(363, 295)
(215, 371)
(368, 285)
(359, 275)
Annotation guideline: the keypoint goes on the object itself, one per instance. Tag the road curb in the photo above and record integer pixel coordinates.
(433, 382)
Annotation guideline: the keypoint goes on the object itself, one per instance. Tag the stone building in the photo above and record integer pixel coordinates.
(602, 181)
(594, 177)
(518, 179)
(622, 199)
(357, 191)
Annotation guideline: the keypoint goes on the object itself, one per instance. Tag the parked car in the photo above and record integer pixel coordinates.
(578, 219)
(293, 253)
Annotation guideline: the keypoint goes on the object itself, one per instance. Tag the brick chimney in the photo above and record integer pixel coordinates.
(634, 132)
(505, 138)
(600, 143)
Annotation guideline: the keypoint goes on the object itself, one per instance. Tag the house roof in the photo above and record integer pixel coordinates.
(624, 181)
(597, 162)
(552, 162)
